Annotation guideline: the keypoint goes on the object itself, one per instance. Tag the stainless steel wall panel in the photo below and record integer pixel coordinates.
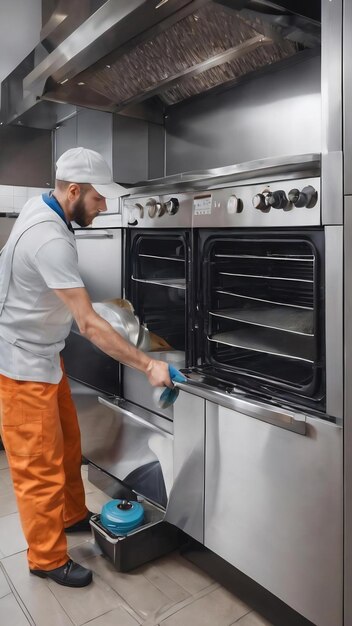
(130, 149)
(273, 508)
(334, 320)
(348, 410)
(347, 96)
(94, 131)
(331, 94)
(332, 187)
(186, 503)
(66, 136)
(156, 158)
(277, 114)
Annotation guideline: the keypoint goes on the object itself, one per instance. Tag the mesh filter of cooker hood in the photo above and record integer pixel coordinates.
(208, 33)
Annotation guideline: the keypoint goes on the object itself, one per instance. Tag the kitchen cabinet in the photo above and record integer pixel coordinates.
(89, 129)
(25, 157)
(273, 507)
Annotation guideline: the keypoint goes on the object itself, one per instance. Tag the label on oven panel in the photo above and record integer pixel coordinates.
(202, 205)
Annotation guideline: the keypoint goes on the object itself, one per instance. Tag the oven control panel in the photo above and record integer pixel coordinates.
(294, 202)
(154, 211)
(282, 203)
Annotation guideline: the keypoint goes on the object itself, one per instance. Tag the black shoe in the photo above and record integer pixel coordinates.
(81, 526)
(70, 575)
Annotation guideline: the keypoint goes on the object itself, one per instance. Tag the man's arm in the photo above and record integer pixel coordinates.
(101, 333)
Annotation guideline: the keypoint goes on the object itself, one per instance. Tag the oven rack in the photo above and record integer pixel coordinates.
(162, 258)
(174, 283)
(285, 318)
(257, 299)
(305, 258)
(293, 279)
(292, 346)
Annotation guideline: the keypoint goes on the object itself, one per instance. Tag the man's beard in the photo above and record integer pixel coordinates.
(79, 212)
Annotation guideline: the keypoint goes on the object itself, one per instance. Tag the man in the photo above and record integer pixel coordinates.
(40, 292)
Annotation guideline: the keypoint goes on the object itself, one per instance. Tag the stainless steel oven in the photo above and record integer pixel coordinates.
(264, 372)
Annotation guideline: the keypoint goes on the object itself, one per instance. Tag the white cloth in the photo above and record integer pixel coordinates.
(41, 255)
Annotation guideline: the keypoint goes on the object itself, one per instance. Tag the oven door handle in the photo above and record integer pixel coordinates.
(295, 422)
(132, 416)
(90, 234)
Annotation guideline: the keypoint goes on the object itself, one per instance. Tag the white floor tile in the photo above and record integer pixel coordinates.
(117, 617)
(4, 586)
(11, 613)
(3, 459)
(86, 550)
(8, 503)
(133, 587)
(159, 579)
(35, 593)
(11, 535)
(84, 604)
(252, 619)
(184, 573)
(219, 607)
(5, 478)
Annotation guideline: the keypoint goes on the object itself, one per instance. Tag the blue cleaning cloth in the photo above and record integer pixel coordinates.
(169, 395)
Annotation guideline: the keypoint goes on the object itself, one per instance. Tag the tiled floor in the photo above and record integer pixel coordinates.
(167, 592)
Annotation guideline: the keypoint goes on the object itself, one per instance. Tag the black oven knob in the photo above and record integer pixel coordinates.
(152, 207)
(276, 199)
(306, 198)
(172, 206)
(259, 202)
(293, 196)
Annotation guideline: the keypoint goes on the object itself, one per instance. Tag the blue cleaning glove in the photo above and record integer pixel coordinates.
(169, 395)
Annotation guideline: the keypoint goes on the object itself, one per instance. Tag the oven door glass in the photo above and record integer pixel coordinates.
(263, 311)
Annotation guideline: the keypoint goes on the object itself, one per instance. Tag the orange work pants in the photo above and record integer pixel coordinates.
(41, 436)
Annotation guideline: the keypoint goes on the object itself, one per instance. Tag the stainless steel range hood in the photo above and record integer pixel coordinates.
(128, 51)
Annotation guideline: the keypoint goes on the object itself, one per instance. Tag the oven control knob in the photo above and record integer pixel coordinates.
(306, 198)
(293, 196)
(152, 205)
(259, 202)
(160, 209)
(140, 209)
(132, 222)
(276, 199)
(172, 206)
(234, 205)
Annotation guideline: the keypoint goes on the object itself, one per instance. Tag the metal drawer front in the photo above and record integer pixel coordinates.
(125, 443)
(273, 508)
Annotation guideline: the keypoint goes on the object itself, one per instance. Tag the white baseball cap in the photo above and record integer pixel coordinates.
(81, 165)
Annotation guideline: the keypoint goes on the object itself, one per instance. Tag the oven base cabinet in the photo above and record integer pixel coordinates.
(186, 503)
(273, 508)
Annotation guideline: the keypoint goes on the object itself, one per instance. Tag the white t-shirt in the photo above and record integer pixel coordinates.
(45, 258)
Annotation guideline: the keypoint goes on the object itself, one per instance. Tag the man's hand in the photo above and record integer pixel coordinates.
(158, 374)
(99, 332)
